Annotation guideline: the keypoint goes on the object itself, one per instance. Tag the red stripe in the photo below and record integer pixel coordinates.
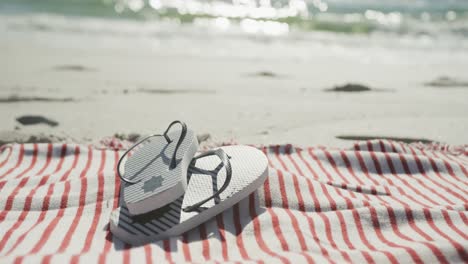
(332, 203)
(291, 159)
(393, 221)
(323, 250)
(317, 209)
(109, 236)
(449, 222)
(377, 228)
(337, 171)
(329, 235)
(349, 167)
(408, 172)
(344, 230)
(300, 199)
(97, 214)
(364, 169)
(148, 257)
(99, 200)
(126, 254)
(450, 170)
(405, 183)
(362, 235)
(167, 250)
(18, 163)
(374, 158)
(76, 219)
(22, 217)
(462, 167)
(358, 188)
(46, 234)
(302, 208)
(276, 151)
(10, 148)
(334, 166)
(222, 236)
(393, 147)
(266, 150)
(295, 223)
(258, 234)
(460, 249)
(9, 202)
(63, 153)
(107, 245)
(45, 207)
(28, 198)
(363, 166)
(463, 217)
(274, 217)
(382, 146)
(238, 228)
(64, 200)
(185, 248)
(33, 162)
(205, 244)
(11, 197)
(48, 159)
(401, 190)
(317, 206)
(319, 163)
(18, 260)
(409, 217)
(402, 145)
(409, 214)
(445, 179)
(116, 182)
(422, 171)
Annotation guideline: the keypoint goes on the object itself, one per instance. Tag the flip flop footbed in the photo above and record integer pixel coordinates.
(158, 184)
(249, 171)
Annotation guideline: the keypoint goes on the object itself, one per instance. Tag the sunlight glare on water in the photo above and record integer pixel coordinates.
(444, 23)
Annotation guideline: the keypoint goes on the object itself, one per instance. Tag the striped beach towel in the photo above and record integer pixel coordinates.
(378, 202)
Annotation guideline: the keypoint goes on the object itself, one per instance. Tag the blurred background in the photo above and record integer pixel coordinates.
(252, 71)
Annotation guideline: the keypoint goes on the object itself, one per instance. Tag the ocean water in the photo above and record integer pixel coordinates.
(408, 24)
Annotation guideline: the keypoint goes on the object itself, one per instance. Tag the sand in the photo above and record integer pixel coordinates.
(96, 86)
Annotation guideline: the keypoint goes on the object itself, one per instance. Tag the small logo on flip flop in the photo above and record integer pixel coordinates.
(152, 184)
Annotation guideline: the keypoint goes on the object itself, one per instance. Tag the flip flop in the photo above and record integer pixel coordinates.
(156, 174)
(242, 170)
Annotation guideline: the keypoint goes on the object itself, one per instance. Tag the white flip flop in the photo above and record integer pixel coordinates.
(242, 170)
(156, 174)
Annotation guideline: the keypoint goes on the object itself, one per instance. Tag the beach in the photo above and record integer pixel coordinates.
(328, 131)
(97, 78)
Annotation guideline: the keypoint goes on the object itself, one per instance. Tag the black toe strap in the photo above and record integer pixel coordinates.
(181, 138)
(227, 166)
(173, 163)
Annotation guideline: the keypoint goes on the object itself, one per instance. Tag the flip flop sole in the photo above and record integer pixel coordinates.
(249, 171)
(158, 185)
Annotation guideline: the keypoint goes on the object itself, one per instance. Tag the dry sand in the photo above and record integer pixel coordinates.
(95, 87)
